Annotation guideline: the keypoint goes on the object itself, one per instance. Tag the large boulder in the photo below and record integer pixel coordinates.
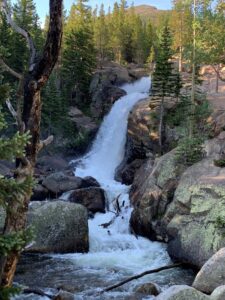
(212, 274)
(61, 182)
(93, 198)
(182, 292)
(195, 219)
(59, 227)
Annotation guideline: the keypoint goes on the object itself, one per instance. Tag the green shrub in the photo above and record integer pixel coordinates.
(219, 163)
(190, 150)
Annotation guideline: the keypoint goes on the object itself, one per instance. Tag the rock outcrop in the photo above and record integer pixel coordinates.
(105, 86)
(184, 208)
(83, 123)
(59, 227)
(151, 194)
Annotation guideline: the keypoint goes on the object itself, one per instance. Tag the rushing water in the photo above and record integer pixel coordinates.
(114, 252)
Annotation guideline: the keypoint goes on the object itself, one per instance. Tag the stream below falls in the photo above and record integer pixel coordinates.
(114, 253)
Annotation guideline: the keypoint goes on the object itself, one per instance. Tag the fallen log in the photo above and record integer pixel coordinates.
(140, 275)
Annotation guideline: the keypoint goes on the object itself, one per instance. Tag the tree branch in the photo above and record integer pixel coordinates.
(218, 73)
(46, 142)
(10, 70)
(141, 275)
(45, 65)
(11, 109)
(21, 31)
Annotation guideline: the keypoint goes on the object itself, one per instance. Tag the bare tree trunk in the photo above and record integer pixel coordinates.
(31, 116)
(191, 126)
(161, 123)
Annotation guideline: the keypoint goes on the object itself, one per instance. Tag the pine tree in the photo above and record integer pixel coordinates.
(79, 55)
(101, 34)
(163, 79)
(25, 15)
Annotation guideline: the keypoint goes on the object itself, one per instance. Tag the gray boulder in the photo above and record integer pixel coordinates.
(59, 183)
(89, 182)
(182, 292)
(93, 198)
(212, 274)
(59, 227)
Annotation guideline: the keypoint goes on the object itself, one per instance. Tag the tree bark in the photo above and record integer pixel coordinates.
(34, 80)
(161, 117)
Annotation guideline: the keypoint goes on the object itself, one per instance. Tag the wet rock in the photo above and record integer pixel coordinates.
(149, 289)
(59, 227)
(212, 274)
(89, 182)
(92, 198)
(181, 292)
(59, 183)
(126, 173)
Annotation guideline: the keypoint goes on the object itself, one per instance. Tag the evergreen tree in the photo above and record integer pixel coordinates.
(25, 15)
(79, 55)
(101, 34)
(163, 79)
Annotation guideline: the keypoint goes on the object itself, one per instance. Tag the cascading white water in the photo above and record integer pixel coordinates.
(115, 247)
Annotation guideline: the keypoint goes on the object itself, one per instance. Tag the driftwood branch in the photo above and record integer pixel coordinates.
(10, 70)
(24, 33)
(141, 275)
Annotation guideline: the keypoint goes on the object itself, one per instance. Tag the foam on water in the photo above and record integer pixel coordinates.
(115, 246)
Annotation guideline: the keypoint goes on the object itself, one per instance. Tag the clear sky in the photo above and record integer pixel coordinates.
(42, 5)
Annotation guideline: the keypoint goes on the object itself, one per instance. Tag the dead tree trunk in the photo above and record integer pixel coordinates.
(34, 80)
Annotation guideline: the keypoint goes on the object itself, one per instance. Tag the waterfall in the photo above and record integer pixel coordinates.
(114, 247)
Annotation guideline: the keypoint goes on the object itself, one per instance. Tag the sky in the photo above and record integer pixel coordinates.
(42, 5)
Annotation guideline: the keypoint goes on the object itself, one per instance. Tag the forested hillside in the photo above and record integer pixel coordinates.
(112, 150)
